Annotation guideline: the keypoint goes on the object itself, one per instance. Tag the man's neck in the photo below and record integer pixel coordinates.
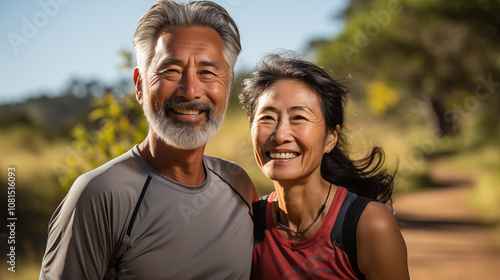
(183, 166)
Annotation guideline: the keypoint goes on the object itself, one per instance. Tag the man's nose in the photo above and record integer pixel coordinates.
(191, 87)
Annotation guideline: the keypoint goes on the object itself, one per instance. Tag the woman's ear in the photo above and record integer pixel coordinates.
(332, 138)
(139, 93)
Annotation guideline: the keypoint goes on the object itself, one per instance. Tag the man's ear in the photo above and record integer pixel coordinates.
(332, 138)
(139, 93)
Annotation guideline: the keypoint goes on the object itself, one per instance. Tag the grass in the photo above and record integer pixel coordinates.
(37, 193)
(25, 270)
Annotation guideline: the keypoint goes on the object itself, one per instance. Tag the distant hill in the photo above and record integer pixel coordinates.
(51, 114)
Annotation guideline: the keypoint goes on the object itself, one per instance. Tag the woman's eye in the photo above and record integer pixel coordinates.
(267, 118)
(298, 118)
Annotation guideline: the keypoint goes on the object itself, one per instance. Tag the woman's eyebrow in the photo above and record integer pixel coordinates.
(294, 108)
(269, 108)
(302, 108)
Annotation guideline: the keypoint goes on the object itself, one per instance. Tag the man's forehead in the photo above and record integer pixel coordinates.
(179, 45)
(198, 34)
(182, 41)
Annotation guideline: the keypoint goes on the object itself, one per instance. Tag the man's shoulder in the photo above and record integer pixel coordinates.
(117, 175)
(111, 189)
(109, 169)
(224, 167)
(232, 174)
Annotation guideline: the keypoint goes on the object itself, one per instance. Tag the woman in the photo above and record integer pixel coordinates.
(296, 111)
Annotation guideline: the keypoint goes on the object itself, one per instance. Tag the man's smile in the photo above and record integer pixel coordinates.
(186, 111)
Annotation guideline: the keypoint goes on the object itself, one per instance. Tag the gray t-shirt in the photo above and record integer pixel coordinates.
(124, 220)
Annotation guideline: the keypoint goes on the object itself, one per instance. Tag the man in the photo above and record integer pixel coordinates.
(164, 210)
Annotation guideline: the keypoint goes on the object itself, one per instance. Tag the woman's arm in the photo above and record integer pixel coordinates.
(381, 248)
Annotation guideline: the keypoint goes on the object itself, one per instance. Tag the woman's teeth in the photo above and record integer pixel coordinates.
(283, 155)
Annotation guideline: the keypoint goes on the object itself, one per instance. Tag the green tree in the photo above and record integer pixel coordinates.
(439, 52)
(118, 124)
(121, 124)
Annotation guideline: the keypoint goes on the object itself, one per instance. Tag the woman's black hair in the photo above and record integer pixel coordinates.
(366, 176)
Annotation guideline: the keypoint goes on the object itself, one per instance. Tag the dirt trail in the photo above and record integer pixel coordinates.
(445, 238)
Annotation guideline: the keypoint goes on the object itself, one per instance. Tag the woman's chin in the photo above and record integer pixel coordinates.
(281, 177)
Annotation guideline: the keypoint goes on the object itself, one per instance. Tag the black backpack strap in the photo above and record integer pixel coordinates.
(349, 231)
(336, 233)
(259, 215)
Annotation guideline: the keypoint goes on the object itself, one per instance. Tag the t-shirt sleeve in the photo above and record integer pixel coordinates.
(79, 242)
(236, 177)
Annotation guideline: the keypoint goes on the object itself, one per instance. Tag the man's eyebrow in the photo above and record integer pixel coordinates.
(167, 62)
(173, 61)
(210, 63)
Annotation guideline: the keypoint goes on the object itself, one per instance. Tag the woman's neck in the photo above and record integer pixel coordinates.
(299, 204)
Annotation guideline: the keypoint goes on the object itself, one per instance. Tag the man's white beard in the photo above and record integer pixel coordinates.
(183, 135)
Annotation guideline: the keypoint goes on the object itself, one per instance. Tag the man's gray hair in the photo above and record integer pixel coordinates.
(165, 13)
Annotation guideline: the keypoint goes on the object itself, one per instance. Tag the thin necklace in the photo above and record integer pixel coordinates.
(278, 219)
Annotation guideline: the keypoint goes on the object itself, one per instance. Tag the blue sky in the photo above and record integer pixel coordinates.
(45, 43)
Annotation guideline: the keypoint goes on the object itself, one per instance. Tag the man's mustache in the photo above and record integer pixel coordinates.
(193, 104)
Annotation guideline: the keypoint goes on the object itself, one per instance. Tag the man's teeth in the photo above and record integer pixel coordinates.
(283, 155)
(185, 111)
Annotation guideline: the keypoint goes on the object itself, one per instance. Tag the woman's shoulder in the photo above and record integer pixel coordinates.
(381, 247)
(376, 218)
(377, 231)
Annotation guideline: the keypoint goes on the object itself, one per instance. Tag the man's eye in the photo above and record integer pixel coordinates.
(173, 71)
(206, 72)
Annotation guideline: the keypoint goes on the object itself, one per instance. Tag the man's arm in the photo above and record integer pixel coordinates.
(79, 244)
